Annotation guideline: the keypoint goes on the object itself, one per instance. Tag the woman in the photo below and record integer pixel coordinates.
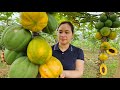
(71, 57)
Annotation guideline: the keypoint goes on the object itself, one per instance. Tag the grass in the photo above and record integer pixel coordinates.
(91, 67)
(112, 65)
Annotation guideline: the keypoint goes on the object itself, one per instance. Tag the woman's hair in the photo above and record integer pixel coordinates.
(69, 23)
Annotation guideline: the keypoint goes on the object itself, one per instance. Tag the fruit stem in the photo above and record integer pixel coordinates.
(35, 34)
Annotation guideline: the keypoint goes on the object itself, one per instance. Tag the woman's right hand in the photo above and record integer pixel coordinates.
(62, 75)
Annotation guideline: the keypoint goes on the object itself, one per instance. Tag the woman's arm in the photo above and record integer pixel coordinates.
(77, 73)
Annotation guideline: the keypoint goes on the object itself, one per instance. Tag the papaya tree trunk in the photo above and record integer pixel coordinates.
(104, 39)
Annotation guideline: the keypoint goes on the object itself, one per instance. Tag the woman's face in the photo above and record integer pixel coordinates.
(65, 34)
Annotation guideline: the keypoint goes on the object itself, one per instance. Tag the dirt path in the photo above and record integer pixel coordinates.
(3, 73)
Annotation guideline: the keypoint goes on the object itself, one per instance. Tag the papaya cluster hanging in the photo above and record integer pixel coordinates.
(105, 32)
(28, 53)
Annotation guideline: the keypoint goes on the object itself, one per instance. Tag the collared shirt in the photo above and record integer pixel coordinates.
(68, 57)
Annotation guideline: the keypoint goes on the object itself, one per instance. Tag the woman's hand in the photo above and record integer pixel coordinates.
(62, 75)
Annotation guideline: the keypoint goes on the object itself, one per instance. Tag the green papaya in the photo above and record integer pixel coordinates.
(108, 23)
(10, 56)
(22, 67)
(105, 31)
(52, 24)
(103, 18)
(99, 25)
(113, 17)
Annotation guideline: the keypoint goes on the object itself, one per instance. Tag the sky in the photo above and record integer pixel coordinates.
(95, 13)
(17, 14)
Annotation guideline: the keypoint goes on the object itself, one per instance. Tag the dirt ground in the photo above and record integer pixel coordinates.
(90, 66)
